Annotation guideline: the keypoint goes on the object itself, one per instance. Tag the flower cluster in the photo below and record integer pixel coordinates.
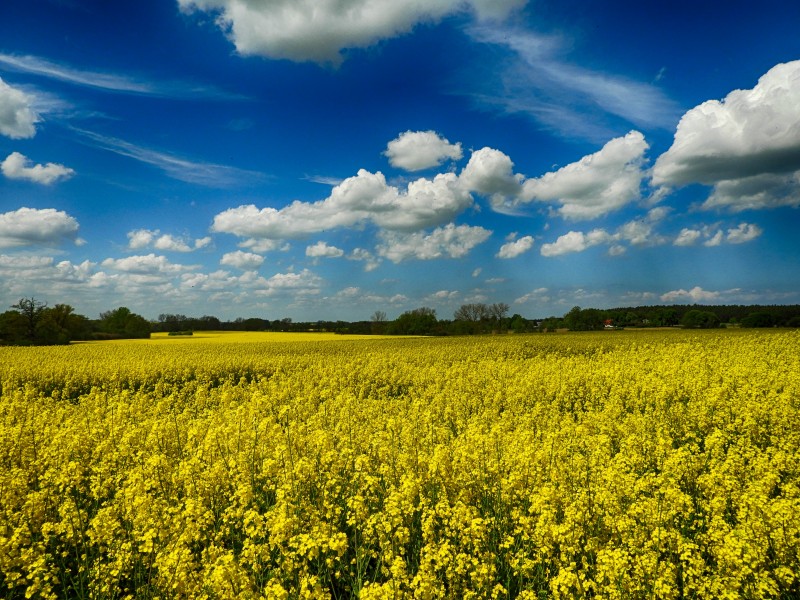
(611, 464)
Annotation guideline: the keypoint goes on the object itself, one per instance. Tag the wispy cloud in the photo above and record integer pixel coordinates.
(571, 100)
(112, 82)
(196, 172)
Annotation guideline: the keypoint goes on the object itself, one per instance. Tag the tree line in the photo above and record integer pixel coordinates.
(31, 322)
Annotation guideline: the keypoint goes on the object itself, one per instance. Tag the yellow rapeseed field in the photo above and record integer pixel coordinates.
(609, 465)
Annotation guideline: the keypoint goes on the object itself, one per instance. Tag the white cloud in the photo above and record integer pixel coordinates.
(417, 150)
(595, 185)
(242, 260)
(747, 145)
(714, 236)
(759, 191)
(450, 240)
(687, 237)
(696, 294)
(714, 240)
(745, 232)
(360, 254)
(32, 226)
(357, 200)
(110, 81)
(182, 169)
(304, 283)
(147, 264)
(444, 295)
(18, 117)
(17, 166)
(318, 30)
(575, 241)
(537, 295)
(144, 238)
(323, 250)
(261, 245)
(490, 173)
(534, 78)
(515, 248)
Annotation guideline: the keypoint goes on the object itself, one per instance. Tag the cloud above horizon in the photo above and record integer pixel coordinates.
(37, 227)
(18, 117)
(319, 30)
(534, 78)
(418, 150)
(364, 198)
(18, 166)
(747, 145)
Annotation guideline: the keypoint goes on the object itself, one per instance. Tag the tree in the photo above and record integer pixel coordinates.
(378, 321)
(420, 321)
(700, 319)
(758, 319)
(498, 312)
(472, 312)
(589, 319)
(31, 309)
(13, 328)
(121, 322)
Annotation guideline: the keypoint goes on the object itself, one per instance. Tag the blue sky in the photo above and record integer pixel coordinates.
(326, 159)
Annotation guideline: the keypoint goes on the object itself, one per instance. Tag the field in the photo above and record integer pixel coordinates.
(659, 464)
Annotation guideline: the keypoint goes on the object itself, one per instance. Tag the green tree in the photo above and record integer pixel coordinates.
(758, 319)
(31, 310)
(589, 319)
(122, 322)
(420, 321)
(700, 319)
(13, 328)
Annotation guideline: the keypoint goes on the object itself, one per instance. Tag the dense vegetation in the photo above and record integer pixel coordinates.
(31, 322)
(639, 464)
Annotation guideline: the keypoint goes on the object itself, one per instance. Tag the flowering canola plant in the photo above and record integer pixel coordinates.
(613, 465)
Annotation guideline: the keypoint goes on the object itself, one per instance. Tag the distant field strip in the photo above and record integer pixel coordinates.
(651, 464)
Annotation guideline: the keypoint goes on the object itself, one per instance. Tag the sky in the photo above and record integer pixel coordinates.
(326, 159)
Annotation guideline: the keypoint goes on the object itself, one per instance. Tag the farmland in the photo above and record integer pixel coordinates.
(648, 464)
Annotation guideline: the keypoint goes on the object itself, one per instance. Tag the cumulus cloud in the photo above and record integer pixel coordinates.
(490, 173)
(712, 235)
(575, 241)
(144, 238)
(515, 248)
(595, 185)
(417, 150)
(147, 264)
(746, 145)
(18, 117)
(757, 192)
(639, 232)
(304, 283)
(318, 30)
(242, 260)
(363, 198)
(696, 294)
(32, 226)
(745, 232)
(17, 166)
(592, 187)
(537, 295)
(323, 250)
(361, 254)
(687, 237)
(450, 240)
